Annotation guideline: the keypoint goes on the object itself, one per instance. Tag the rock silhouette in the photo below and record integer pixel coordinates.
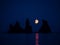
(16, 28)
(11, 28)
(45, 27)
(28, 27)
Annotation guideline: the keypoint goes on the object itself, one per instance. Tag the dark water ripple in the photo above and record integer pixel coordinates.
(29, 39)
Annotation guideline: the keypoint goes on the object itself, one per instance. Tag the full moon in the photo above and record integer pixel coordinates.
(36, 21)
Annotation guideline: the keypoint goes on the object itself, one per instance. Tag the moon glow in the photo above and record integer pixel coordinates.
(36, 21)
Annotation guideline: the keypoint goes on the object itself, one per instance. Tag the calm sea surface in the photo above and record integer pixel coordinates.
(29, 39)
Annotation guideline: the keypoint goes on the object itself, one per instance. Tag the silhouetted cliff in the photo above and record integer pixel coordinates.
(16, 28)
(11, 28)
(45, 27)
(28, 27)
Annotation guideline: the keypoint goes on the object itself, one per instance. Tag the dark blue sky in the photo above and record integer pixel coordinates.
(19, 10)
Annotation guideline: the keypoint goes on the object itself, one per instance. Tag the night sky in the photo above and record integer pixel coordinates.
(19, 10)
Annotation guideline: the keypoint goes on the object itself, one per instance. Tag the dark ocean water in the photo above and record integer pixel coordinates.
(29, 39)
